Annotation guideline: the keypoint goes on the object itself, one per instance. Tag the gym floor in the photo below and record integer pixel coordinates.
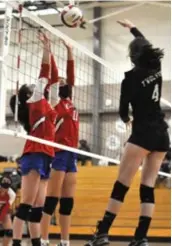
(81, 243)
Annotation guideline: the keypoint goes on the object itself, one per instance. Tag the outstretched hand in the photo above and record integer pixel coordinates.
(44, 39)
(67, 45)
(126, 23)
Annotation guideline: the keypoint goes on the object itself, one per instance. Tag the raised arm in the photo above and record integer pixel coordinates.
(133, 29)
(45, 66)
(70, 65)
(44, 76)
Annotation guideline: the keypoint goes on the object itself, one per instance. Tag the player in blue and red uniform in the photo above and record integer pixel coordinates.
(7, 198)
(38, 118)
(62, 184)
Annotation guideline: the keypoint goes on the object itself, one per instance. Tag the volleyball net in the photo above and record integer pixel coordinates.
(96, 92)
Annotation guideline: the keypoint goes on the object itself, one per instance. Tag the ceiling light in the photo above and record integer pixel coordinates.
(46, 11)
(32, 7)
(2, 5)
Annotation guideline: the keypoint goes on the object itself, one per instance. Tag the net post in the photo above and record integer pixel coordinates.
(97, 100)
(4, 44)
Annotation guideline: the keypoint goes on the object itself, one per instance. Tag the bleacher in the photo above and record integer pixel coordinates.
(94, 186)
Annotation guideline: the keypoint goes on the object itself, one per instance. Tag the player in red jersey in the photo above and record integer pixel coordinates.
(62, 184)
(7, 197)
(38, 118)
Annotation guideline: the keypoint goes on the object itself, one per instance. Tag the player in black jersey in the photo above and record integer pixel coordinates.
(149, 140)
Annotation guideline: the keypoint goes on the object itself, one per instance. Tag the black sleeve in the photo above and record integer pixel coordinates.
(136, 33)
(124, 101)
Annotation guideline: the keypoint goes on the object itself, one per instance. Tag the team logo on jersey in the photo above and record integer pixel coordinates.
(151, 79)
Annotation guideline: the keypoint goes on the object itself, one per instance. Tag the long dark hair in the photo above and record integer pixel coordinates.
(144, 55)
(23, 110)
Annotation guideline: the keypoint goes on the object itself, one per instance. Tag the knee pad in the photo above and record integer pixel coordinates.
(50, 205)
(23, 211)
(36, 242)
(8, 233)
(119, 191)
(147, 194)
(66, 205)
(35, 215)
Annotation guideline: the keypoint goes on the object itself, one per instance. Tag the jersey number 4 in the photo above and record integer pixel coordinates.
(155, 94)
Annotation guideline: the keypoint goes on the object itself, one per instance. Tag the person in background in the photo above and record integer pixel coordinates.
(7, 198)
(3, 158)
(166, 168)
(83, 146)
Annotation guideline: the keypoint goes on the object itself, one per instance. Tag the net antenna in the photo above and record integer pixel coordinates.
(5, 42)
(20, 8)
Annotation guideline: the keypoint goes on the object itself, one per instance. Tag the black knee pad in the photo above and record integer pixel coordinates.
(35, 215)
(147, 194)
(50, 205)
(66, 205)
(23, 211)
(36, 241)
(119, 191)
(8, 233)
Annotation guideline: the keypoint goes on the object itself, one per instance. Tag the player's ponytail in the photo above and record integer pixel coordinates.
(143, 55)
(23, 110)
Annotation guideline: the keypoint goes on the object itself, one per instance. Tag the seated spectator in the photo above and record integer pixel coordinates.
(3, 158)
(166, 168)
(82, 158)
(7, 198)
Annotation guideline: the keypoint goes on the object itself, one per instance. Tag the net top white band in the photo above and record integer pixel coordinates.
(63, 147)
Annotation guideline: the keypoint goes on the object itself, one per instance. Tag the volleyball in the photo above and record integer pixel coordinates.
(71, 16)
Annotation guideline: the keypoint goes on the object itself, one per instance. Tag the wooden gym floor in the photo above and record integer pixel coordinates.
(81, 243)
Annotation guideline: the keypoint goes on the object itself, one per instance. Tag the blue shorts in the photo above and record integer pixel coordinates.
(36, 161)
(65, 161)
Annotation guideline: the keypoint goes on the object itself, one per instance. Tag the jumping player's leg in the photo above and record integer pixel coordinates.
(51, 201)
(29, 189)
(66, 206)
(8, 232)
(150, 170)
(131, 160)
(35, 214)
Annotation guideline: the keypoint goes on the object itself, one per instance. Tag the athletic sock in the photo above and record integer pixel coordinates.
(16, 242)
(106, 223)
(36, 241)
(65, 243)
(143, 227)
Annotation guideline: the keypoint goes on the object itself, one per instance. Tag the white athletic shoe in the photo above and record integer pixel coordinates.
(62, 244)
(45, 242)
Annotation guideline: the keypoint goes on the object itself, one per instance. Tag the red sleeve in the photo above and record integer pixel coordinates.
(45, 71)
(70, 73)
(54, 74)
(54, 71)
(4, 211)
